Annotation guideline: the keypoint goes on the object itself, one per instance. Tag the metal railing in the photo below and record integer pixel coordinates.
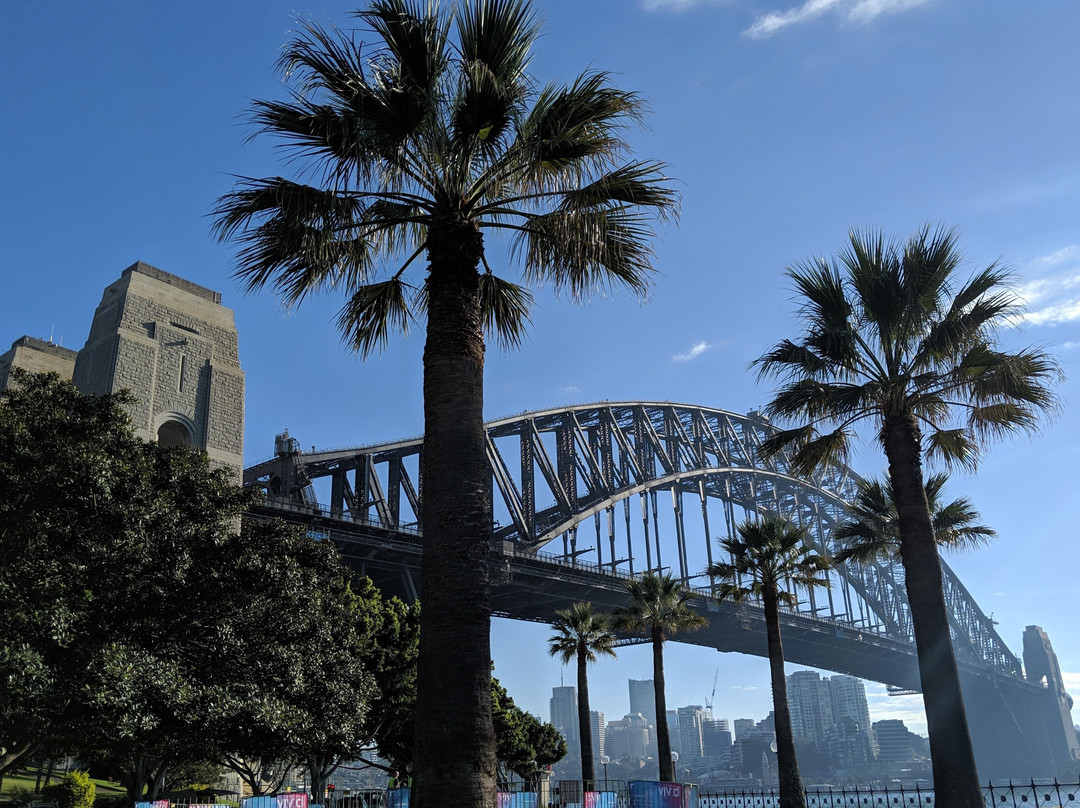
(1010, 794)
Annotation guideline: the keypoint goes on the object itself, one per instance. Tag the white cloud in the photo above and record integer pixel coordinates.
(743, 687)
(675, 5)
(908, 709)
(1052, 295)
(1071, 680)
(693, 353)
(850, 11)
(569, 389)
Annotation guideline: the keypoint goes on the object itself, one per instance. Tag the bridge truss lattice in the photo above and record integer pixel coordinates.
(628, 487)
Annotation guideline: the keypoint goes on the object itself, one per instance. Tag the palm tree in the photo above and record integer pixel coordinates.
(581, 633)
(412, 150)
(659, 607)
(769, 560)
(873, 529)
(891, 337)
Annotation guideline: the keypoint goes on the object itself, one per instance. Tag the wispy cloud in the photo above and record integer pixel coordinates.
(1052, 295)
(743, 687)
(849, 11)
(676, 5)
(908, 709)
(693, 353)
(569, 389)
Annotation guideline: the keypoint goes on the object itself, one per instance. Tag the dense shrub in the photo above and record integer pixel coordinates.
(74, 791)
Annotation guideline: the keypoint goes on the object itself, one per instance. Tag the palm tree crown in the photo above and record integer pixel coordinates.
(889, 335)
(774, 557)
(873, 529)
(658, 603)
(581, 634)
(659, 607)
(427, 138)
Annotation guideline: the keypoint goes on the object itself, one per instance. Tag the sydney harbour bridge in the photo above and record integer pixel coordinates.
(588, 496)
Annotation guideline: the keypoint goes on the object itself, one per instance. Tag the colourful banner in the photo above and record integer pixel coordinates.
(517, 799)
(292, 800)
(654, 794)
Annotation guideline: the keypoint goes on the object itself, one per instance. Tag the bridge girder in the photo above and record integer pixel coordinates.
(585, 463)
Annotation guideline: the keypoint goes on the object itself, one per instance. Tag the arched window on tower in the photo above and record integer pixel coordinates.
(173, 433)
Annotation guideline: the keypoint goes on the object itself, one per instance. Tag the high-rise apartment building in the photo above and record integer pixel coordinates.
(811, 705)
(628, 739)
(599, 731)
(689, 740)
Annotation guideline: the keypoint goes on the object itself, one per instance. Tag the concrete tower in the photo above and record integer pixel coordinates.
(174, 346)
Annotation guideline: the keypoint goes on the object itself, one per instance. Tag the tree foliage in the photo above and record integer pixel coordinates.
(139, 619)
(872, 530)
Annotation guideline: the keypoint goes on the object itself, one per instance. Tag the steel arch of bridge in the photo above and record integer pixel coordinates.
(556, 471)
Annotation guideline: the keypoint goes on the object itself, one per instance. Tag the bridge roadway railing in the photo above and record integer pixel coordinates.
(348, 532)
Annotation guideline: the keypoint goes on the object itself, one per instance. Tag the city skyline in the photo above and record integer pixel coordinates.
(731, 719)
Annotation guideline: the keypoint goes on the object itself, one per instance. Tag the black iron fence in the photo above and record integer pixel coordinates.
(1009, 794)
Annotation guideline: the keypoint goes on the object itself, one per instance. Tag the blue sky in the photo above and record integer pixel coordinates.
(786, 123)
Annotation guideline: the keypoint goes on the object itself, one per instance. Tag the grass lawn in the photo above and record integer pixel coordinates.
(27, 779)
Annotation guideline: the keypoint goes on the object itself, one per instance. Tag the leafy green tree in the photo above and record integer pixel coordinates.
(872, 530)
(152, 629)
(74, 791)
(390, 642)
(892, 338)
(525, 745)
(414, 149)
(659, 608)
(770, 559)
(581, 634)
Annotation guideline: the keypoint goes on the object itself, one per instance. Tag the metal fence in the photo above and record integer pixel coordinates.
(1032, 794)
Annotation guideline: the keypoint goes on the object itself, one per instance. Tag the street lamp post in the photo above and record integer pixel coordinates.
(605, 760)
(674, 760)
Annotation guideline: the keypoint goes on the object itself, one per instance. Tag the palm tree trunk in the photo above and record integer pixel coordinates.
(588, 774)
(455, 742)
(956, 779)
(791, 786)
(663, 737)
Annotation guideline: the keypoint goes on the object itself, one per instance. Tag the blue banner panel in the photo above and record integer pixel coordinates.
(654, 794)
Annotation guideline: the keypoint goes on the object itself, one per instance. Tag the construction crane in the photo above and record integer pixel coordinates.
(709, 700)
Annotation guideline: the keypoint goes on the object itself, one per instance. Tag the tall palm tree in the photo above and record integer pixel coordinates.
(872, 530)
(409, 152)
(769, 560)
(893, 338)
(659, 607)
(581, 634)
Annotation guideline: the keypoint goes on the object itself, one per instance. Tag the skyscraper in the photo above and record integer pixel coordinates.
(565, 717)
(643, 699)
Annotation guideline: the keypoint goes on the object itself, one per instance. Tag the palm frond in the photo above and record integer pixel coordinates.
(953, 447)
(572, 129)
(587, 250)
(295, 237)
(505, 307)
(372, 313)
(415, 41)
(498, 34)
